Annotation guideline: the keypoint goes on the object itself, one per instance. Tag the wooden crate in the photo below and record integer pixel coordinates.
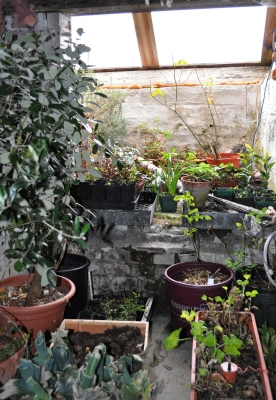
(97, 326)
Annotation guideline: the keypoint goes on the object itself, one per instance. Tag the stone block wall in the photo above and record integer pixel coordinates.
(135, 258)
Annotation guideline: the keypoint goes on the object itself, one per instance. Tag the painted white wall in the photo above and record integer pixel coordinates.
(238, 104)
(266, 135)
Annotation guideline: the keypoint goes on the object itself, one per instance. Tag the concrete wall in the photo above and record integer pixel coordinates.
(266, 135)
(135, 257)
(53, 21)
(236, 91)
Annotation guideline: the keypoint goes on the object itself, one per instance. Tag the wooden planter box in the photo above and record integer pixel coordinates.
(81, 325)
(259, 354)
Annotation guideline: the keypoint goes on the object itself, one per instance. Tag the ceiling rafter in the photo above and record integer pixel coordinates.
(146, 39)
(270, 24)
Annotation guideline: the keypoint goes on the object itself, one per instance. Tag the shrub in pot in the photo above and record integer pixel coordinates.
(42, 124)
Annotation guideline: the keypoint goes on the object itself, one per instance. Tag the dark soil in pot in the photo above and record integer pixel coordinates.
(118, 341)
(202, 276)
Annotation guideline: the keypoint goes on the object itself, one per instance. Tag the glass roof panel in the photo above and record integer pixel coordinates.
(112, 40)
(217, 35)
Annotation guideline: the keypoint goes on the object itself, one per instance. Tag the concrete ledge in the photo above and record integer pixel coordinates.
(220, 220)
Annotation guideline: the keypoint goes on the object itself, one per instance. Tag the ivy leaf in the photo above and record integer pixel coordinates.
(172, 340)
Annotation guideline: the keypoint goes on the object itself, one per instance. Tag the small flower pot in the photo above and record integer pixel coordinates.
(167, 203)
(261, 202)
(230, 376)
(224, 193)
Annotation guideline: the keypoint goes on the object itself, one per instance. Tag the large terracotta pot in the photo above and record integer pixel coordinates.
(46, 317)
(199, 190)
(259, 354)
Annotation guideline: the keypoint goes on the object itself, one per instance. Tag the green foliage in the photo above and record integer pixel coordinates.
(208, 138)
(170, 175)
(256, 161)
(42, 124)
(268, 340)
(109, 112)
(53, 374)
(123, 310)
(201, 172)
(239, 263)
(206, 338)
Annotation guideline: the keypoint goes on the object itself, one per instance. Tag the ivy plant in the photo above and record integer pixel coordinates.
(42, 127)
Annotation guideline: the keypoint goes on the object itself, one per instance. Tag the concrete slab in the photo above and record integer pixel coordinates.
(173, 372)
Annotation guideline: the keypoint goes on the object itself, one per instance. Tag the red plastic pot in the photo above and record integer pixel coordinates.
(184, 296)
(259, 354)
(46, 317)
(225, 158)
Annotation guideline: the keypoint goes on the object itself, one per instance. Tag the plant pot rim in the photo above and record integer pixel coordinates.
(17, 280)
(193, 265)
(186, 178)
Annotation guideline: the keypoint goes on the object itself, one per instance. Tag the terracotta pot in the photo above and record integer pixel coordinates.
(46, 317)
(8, 366)
(231, 375)
(225, 158)
(185, 296)
(259, 354)
(199, 190)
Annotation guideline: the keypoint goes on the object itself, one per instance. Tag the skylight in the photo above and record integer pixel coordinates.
(210, 36)
(203, 36)
(112, 40)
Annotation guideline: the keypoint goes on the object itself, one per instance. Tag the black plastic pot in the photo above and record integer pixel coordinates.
(128, 192)
(113, 192)
(75, 268)
(97, 190)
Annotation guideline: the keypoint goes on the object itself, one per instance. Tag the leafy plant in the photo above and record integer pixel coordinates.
(155, 140)
(53, 373)
(256, 166)
(123, 309)
(205, 338)
(268, 340)
(108, 110)
(43, 124)
(201, 172)
(170, 175)
(208, 139)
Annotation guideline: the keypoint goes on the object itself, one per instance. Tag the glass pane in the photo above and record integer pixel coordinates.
(221, 35)
(112, 40)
